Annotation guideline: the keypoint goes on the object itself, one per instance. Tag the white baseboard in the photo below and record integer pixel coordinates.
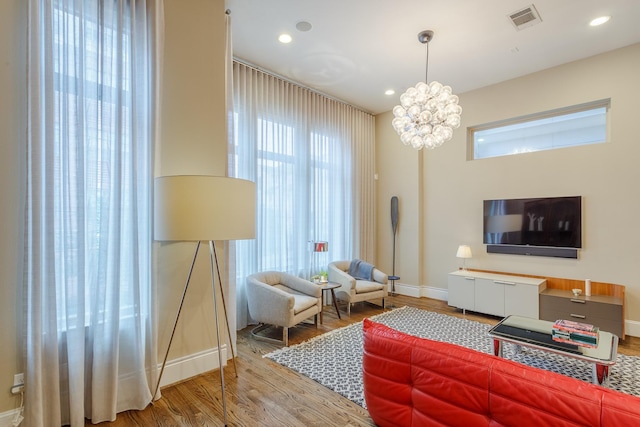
(6, 418)
(189, 366)
(632, 327)
(422, 291)
(435, 293)
(408, 290)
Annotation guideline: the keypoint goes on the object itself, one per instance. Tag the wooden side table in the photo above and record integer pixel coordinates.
(330, 286)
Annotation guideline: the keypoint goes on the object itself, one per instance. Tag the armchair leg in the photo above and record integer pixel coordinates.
(263, 326)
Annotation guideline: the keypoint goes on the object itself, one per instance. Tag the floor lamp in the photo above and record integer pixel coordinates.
(316, 246)
(203, 208)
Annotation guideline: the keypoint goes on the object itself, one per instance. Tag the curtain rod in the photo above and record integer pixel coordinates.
(317, 92)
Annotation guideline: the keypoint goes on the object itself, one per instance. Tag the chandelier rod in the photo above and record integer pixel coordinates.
(425, 37)
(426, 73)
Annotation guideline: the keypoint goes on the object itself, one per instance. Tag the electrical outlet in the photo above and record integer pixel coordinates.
(18, 384)
(18, 379)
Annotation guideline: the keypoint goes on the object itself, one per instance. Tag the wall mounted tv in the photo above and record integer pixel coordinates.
(548, 226)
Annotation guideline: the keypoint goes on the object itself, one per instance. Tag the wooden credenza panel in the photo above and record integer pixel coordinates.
(605, 312)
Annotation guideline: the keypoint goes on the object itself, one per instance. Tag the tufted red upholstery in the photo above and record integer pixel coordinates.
(410, 381)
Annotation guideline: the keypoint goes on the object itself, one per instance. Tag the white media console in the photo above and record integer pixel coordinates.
(495, 294)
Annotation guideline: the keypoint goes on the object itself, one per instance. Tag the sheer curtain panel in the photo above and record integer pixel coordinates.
(312, 159)
(93, 108)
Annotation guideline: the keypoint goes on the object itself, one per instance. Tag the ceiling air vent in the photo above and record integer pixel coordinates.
(524, 18)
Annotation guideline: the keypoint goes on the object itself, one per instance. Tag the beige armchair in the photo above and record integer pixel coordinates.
(354, 290)
(281, 299)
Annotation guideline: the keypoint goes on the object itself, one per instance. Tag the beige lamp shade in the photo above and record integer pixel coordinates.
(464, 251)
(202, 207)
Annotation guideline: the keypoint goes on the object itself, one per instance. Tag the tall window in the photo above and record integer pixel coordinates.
(312, 159)
(94, 161)
(90, 332)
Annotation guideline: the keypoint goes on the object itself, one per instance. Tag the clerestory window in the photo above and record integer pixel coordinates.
(567, 127)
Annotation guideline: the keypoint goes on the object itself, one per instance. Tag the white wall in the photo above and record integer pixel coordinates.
(604, 174)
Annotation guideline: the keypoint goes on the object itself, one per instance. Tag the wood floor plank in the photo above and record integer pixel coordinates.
(267, 394)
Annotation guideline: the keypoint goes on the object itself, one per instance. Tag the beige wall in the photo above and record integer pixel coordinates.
(13, 107)
(399, 170)
(193, 142)
(604, 174)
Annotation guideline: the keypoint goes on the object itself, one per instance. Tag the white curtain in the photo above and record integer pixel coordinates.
(230, 245)
(90, 331)
(313, 160)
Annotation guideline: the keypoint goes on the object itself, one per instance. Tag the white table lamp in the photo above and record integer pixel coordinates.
(464, 252)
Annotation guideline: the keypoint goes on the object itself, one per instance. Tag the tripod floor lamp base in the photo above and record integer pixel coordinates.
(201, 208)
(213, 259)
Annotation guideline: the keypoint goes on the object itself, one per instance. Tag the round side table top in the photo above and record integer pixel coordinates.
(329, 285)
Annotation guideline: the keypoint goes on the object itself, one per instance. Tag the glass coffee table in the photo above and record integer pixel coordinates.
(534, 333)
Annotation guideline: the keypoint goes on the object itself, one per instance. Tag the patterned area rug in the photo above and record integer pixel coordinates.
(334, 359)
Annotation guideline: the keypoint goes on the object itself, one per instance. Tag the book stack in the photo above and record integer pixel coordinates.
(576, 333)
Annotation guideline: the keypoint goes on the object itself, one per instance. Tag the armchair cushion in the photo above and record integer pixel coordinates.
(301, 302)
(364, 286)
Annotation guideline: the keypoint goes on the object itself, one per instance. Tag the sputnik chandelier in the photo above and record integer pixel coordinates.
(428, 112)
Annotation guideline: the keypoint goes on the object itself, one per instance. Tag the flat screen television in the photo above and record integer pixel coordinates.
(547, 222)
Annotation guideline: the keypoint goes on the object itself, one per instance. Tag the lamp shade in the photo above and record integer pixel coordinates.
(202, 207)
(320, 246)
(464, 251)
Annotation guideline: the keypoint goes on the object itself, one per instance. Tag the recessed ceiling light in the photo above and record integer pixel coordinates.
(284, 38)
(599, 21)
(389, 92)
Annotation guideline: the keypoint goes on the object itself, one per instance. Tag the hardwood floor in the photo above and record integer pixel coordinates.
(267, 394)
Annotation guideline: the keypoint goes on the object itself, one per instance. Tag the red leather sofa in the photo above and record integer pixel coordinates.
(410, 381)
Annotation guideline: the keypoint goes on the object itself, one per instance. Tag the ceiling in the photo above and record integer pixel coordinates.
(358, 49)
